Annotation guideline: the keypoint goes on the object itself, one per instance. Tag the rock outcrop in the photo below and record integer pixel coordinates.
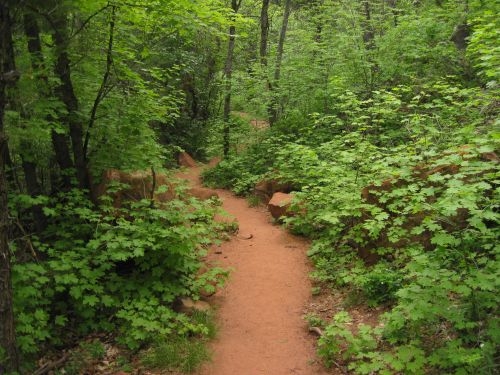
(137, 185)
(422, 177)
(265, 189)
(279, 205)
(188, 306)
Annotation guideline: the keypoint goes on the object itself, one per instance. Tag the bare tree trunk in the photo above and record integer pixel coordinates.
(369, 42)
(273, 110)
(29, 165)
(264, 38)
(211, 63)
(66, 94)
(264, 32)
(59, 141)
(7, 326)
(368, 32)
(228, 72)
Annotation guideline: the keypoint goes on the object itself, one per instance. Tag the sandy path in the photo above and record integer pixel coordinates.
(262, 331)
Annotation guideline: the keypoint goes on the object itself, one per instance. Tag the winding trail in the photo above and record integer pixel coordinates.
(260, 310)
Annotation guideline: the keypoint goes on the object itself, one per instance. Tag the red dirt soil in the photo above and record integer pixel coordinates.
(260, 310)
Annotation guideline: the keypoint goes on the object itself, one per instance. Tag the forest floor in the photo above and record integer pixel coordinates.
(260, 311)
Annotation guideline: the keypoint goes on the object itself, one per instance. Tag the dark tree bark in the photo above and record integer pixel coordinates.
(460, 36)
(28, 163)
(264, 38)
(228, 72)
(66, 93)
(368, 32)
(59, 141)
(7, 326)
(11, 75)
(188, 85)
(369, 42)
(264, 32)
(211, 64)
(393, 5)
(273, 110)
(462, 31)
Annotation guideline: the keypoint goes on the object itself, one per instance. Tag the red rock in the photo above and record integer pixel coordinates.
(421, 173)
(188, 306)
(202, 193)
(490, 156)
(139, 186)
(279, 204)
(185, 160)
(266, 188)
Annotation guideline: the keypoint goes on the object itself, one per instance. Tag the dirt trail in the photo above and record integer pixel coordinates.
(260, 311)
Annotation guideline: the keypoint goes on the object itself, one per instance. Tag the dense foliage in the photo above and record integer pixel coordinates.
(113, 270)
(384, 122)
(100, 86)
(392, 150)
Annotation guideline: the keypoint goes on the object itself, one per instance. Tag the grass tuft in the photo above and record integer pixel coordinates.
(177, 353)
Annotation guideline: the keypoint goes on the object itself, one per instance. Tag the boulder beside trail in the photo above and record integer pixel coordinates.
(279, 204)
(139, 185)
(265, 189)
(188, 306)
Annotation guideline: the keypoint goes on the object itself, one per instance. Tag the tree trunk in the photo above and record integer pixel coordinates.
(393, 5)
(59, 141)
(7, 327)
(228, 72)
(264, 32)
(209, 96)
(368, 32)
(263, 51)
(273, 110)
(29, 165)
(369, 42)
(103, 89)
(66, 94)
(34, 189)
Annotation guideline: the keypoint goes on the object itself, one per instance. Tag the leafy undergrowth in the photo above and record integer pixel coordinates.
(116, 271)
(405, 221)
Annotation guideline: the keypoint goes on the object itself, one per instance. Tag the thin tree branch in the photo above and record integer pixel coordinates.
(52, 365)
(47, 16)
(153, 187)
(89, 18)
(102, 90)
(27, 238)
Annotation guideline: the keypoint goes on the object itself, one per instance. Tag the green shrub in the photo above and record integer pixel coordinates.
(241, 172)
(380, 284)
(438, 269)
(114, 270)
